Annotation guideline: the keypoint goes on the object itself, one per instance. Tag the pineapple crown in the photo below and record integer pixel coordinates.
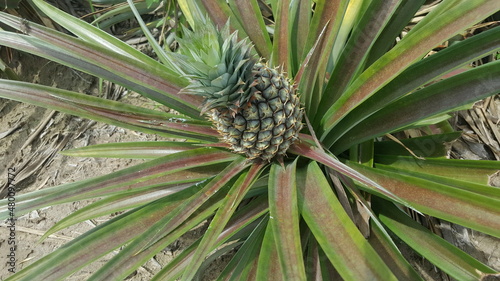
(218, 66)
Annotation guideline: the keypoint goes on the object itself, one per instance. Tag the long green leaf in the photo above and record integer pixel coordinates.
(476, 171)
(182, 212)
(133, 177)
(108, 111)
(97, 242)
(267, 267)
(242, 219)
(322, 157)
(299, 21)
(460, 206)
(441, 97)
(402, 16)
(165, 57)
(418, 75)
(382, 242)
(439, 252)
(326, 23)
(231, 201)
(242, 264)
(284, 218)
(170, 223)
(281, 40)
(337, 235)
(352, 59)
(410, 49)
(132, 257)
(220, 13)
(471, 186)
(147, 79)
(141, 150)
(252, 21)
(192, 10)
(116, 203)
(97, 36)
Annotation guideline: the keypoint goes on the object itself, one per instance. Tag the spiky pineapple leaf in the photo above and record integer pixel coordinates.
(134, 254)
(267, 267)
(243, 218)
(383, 243)
(108, 111)
(410, 49)
(140, 149)
(418, 75)
(252, 21)
(165, 57)
(406, 10)
(353, 57)
(243, 265)
(335, 232)
(299, 20)
(231, 201)
(128, 200)
(284, 219)
(281, 40)
(474, 210)
(326, 22)
(316, 154)
(445, 96)
(138, 176)
(150, 80)
(474, 171)
(96, 35)
(441, 253)
(99, 241)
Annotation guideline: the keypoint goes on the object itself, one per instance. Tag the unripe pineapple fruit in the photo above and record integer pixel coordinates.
(255, 108)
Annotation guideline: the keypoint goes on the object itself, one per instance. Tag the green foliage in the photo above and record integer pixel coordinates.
(334, 206)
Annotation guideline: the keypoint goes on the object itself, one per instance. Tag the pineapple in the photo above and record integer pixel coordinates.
(255, 108)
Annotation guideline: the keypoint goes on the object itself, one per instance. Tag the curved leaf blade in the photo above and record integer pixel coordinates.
(231, 201)
(133, 177)
(141, 150)
(441, 97)
(410, 49)
(108, 111)
(151, 80)
(284, 219)
(337, 235)
(418, 75)
(460, 206)
(441, 253)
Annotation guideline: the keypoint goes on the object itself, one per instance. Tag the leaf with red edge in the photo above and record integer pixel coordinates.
(474, 210)
(252, 21)
(284, 219)
(231, 202)
(108, 111)
(133, 177)
(411, 48)
(314, 153)
(335, 232)
(152, 80)
(141, 150)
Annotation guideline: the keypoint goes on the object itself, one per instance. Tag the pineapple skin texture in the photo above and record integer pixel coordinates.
(268, 123)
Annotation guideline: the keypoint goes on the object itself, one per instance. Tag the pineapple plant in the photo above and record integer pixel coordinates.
(326, 201)
(255, 108)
